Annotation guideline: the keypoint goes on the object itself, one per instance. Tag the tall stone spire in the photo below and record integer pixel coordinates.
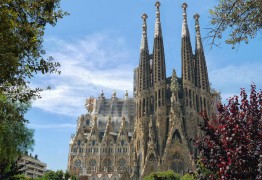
(159, 81)
(202, 81)
(144, 43)
(186, 53)
(158, 51)
(144, 66)
(143, 83)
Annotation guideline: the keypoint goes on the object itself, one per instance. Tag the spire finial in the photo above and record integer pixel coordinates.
(157, 4)
(144, 17)
(198, 36)
(184, 6)
(144, 33)
(196, 17)
(157, 24)
(184, 26)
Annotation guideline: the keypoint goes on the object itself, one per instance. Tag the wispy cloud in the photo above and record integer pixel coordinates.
(53, 126)
(89, 65)
(101, 62)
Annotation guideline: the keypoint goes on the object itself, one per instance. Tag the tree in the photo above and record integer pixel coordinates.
(232, 145)
(15, 137)
(187, 177)
(10, 170)
(241, 19)
(59, 174)
(50, 175)
(67, 175)
(21, 57)
(21, 36)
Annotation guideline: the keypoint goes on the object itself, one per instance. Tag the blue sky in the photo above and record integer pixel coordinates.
(98, 47)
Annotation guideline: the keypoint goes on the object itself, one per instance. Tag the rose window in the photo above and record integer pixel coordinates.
(92, 162)
(77, 163)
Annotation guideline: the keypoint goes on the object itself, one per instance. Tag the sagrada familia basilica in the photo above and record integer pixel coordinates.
(152, 131)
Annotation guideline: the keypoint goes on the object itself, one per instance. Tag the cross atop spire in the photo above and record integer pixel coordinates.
(157, 4)
(196, 17)
(157, 24)
(184, 6)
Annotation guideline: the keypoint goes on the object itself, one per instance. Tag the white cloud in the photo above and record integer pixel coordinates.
(101, 62)
(53, 126)
(88, 65)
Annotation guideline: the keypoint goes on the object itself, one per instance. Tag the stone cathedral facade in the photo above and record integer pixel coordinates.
(152, 131)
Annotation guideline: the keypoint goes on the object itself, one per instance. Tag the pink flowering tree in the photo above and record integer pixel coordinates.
(232, 145)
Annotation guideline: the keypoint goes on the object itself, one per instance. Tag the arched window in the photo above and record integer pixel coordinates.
(93, 142)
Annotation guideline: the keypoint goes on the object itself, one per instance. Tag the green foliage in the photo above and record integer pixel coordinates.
(10, 169)
(73, 177)
(167, 175)
(15, 137)
(187, 177)
(241, 19)
(56, 175)
(21, 57)
(59, 174)
(203, 173)
(67, 175)
(21, 52)
(22, 177)
(50, 175)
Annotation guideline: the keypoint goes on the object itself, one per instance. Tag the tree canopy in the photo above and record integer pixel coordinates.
(21, 57)
(241, 20)
(232, 145)
(21, 52)
(15, 137)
